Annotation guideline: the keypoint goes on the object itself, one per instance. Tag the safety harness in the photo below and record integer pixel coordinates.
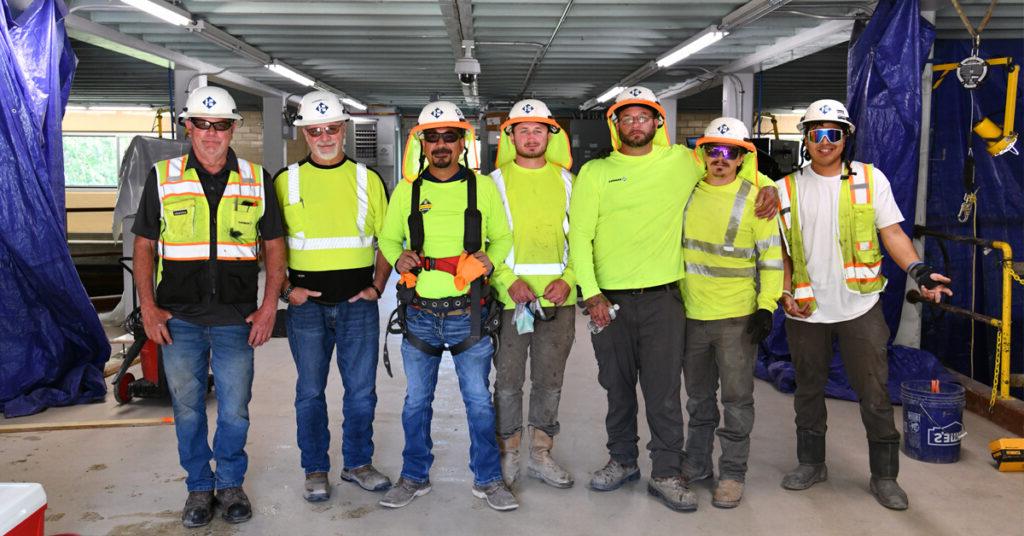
(480, 292)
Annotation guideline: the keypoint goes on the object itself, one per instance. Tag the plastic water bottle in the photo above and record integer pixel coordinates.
(594, 328)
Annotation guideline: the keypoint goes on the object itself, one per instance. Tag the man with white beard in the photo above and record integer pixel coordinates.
(333, 211)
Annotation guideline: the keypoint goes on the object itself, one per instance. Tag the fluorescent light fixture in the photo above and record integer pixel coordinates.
(162, 10)
(354, 103)
(607, 95)
(691, 46)
(291, 74)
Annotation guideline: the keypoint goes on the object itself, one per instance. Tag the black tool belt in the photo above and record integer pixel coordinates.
(489, 326)
(441, 306)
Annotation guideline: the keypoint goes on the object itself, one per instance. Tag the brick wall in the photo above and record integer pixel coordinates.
(248, 141)
(691, 124)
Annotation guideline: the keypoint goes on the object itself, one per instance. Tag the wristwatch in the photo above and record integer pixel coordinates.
(287, 292)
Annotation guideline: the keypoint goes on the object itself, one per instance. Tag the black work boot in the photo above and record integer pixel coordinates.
(235, 504)
(885, 465)
(198, 511)
(810, 452)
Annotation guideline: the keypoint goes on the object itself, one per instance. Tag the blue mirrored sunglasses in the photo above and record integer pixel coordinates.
(819, 135)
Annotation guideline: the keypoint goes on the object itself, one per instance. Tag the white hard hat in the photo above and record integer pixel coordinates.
(636, 95)
(318, 107)
(210, 101)
(826, 110)
(530, 111)
(436, 113)
(727, 128)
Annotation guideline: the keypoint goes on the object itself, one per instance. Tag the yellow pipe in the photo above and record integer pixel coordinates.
(1011, 100)
(1004, 329)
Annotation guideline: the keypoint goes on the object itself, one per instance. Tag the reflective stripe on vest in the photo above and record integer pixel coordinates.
(536, 269)
(728, 247)
(173, 186)
(300, 242)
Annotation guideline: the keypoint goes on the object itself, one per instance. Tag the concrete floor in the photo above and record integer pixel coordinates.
(127, 481)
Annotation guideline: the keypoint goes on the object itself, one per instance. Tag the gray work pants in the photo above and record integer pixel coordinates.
(548, 348)
(719, 351)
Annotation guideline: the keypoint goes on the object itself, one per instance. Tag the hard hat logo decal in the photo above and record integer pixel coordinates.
(825, 109)
(437, 113)
(322, 108)
(723, 128)
(528, 108)
(209, 103)
(635, 92)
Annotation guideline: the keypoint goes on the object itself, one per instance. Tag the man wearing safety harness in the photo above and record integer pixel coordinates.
(204, 214)
(733, 280)
(537, 286)
(625, 243)
(333, 209)
(444, 225)
(832, 215)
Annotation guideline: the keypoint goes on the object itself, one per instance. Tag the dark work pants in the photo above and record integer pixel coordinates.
(644, 342)
(862, 346)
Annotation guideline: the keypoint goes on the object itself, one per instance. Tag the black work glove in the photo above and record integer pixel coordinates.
(760, 325)
(922, 274)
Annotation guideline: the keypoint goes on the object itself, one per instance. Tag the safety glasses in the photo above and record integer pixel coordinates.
(630, 120)
(538, 312)
(219, 126)
(316, 132)
(820, 135)
(728, 152)
(434, 137)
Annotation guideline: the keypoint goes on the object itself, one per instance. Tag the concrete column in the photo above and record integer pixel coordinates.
(738, 97)
(185, 80)
(909, 331)
(672, 112)
(274, 149)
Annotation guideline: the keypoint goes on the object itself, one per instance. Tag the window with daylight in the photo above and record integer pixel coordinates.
(93, 159)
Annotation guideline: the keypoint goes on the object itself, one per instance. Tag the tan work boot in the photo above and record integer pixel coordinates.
(509, 449)
(728, 494)
(541, 466)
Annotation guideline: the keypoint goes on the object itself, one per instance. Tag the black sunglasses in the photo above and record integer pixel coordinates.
(316, 132)
(219, 126)
(448, 137)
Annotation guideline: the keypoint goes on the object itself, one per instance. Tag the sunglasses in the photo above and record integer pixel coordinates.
(316, 132)
(434, 137)
(637, 119)
(819, 135)
(728, 152)
(538, 313)
(219, 126)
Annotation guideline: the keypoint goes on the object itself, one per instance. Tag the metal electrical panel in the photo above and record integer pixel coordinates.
(589, 139)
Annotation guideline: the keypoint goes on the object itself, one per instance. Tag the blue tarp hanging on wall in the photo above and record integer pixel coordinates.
(52, 346)
(884, 99)
(1000, 209)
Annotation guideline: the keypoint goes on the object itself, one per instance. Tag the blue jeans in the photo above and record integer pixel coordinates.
(313, 332)
(472, 367)
(186, 364)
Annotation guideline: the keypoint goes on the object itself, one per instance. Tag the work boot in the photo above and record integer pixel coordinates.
(509, 448)
(318, 489)
(885, 465)
(198, 511)
(541, 466)
(367, 477)
(498, 495)
(810, 452)
(728, 494)
(404, 492)
(236, 505)
(613, 475)
(693, 474)
(673, 493)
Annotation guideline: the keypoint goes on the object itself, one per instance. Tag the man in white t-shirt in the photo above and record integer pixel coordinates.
(832, 215)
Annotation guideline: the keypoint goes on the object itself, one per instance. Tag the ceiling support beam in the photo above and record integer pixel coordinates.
(458, 21)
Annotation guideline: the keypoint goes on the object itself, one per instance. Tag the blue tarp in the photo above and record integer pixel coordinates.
(1000, 211)
(884, 99)
(52, 346)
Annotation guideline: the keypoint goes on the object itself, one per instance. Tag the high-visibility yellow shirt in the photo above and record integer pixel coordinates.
(537, 204)
(626, 219)
(443, 205)
(733, 258)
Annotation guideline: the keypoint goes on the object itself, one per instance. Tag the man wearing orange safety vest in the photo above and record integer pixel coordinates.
(537, 286)
(204, 215)
(833, 213)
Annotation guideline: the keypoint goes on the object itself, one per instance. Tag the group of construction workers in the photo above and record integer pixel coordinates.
(679, 257)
